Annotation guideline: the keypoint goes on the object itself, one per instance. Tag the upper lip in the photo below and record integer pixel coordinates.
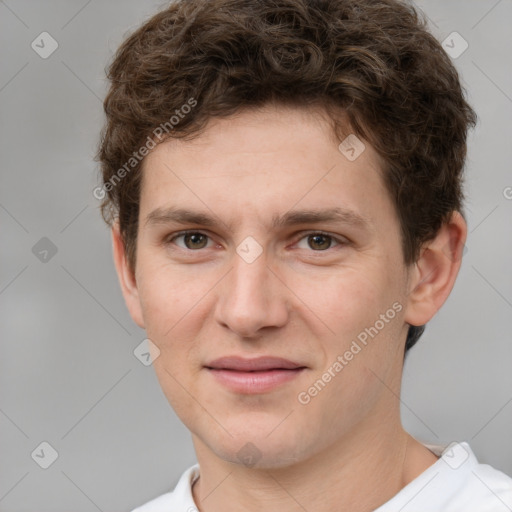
(255, 364)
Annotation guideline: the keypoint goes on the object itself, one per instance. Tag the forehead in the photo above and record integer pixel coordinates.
(263, 163)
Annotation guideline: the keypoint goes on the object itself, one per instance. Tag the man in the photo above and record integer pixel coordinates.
(283, 180)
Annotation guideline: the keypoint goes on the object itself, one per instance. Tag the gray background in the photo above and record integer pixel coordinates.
(68, 373)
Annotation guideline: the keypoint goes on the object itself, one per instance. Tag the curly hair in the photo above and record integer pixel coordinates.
(373, 61)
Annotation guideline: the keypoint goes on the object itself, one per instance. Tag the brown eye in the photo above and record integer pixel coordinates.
(195, 240)
(189, 240)
(319, 241)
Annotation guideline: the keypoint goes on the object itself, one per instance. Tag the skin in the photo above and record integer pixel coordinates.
(345, 449)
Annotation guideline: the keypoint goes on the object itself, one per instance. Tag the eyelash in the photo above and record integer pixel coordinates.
(339, 241)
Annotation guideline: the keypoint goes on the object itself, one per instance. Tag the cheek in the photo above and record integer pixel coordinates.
(347, 300)
(166, 295)
(160, 307)
(174, 305)
(171, 307)
(363, 309)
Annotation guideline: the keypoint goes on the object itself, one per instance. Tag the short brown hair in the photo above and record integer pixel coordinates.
(375, 61)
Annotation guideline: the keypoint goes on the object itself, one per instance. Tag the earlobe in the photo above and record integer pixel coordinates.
(126, 277)
(433, 276)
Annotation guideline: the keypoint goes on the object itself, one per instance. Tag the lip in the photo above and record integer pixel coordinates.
(261, 363)
(257, 375)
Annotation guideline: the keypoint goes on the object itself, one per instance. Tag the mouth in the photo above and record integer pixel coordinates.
(250, 376)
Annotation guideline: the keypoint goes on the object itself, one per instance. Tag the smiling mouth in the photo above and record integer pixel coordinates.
(251, 376)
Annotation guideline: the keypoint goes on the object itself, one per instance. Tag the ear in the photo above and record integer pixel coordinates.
(432, 277)
(126, 277)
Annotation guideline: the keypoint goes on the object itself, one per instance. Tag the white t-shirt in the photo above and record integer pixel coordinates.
(457, 482)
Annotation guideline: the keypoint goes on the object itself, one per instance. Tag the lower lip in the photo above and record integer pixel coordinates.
(254, 382)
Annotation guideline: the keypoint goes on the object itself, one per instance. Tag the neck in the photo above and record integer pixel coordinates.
(357, 474)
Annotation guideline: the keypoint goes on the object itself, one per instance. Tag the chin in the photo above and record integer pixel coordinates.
(257, 449)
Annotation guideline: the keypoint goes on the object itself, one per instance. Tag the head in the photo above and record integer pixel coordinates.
(255, 116)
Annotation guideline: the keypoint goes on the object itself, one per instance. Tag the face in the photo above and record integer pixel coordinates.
(291, 251)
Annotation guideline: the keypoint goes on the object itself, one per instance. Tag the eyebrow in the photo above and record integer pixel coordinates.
(291, 218)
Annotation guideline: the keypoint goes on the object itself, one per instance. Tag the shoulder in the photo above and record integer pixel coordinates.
(179, 500)
(457, 482)
(484, 489)
(163, 502)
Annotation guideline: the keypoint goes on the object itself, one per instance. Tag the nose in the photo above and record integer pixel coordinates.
(251, 298)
